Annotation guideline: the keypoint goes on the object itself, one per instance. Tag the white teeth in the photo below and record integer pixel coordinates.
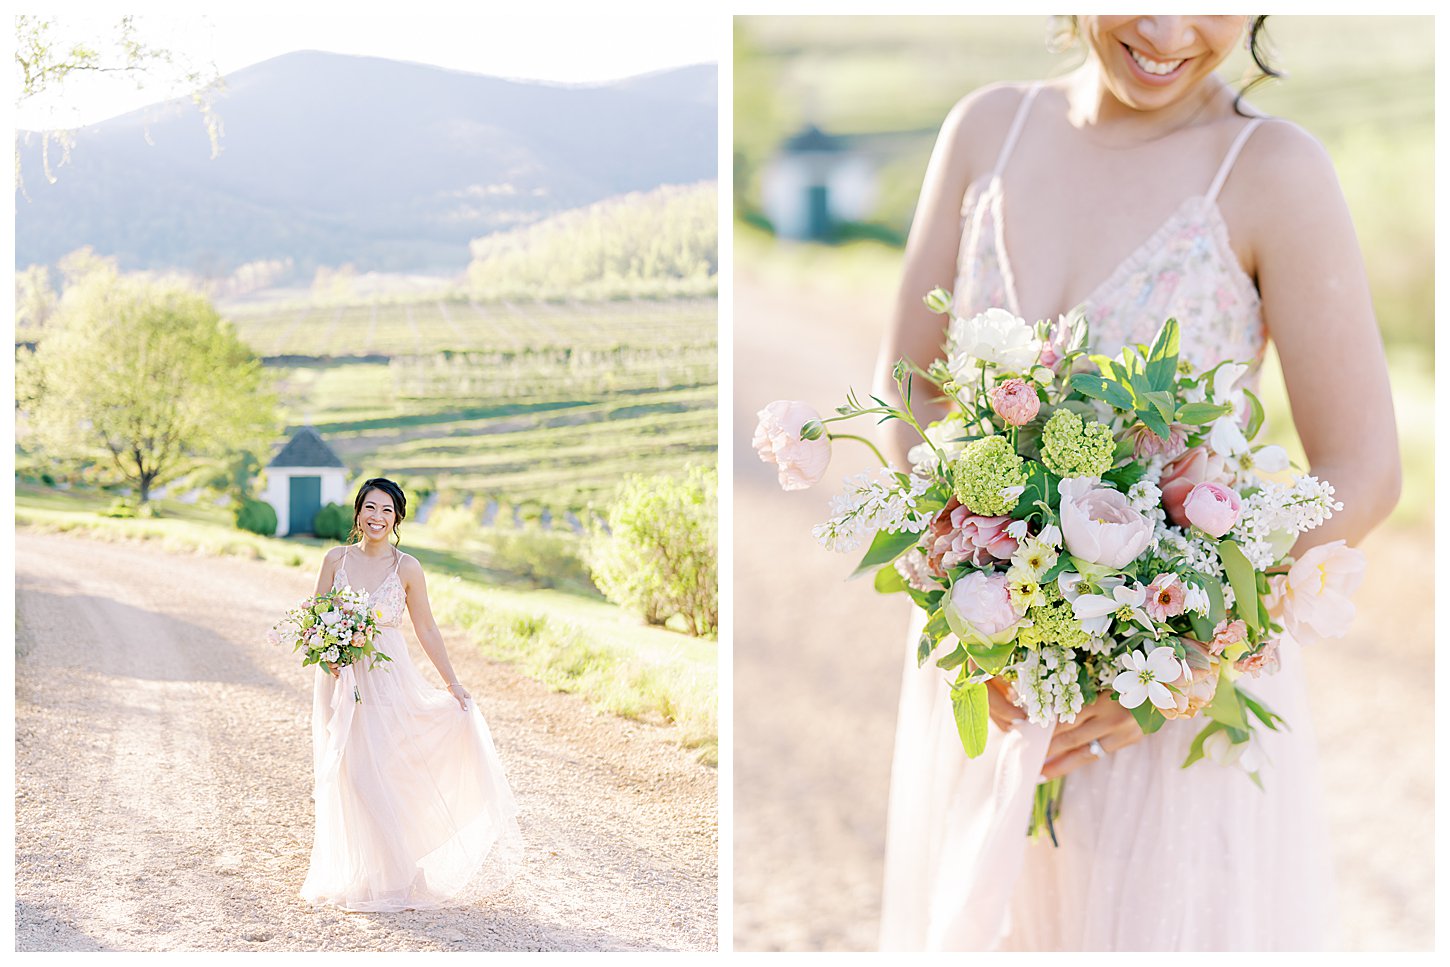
(1153, 66)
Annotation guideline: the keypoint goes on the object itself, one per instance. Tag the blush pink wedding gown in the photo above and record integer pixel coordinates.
(1151, 856)
(413, 809)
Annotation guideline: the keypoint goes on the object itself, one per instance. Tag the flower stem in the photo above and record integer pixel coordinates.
(852, 436)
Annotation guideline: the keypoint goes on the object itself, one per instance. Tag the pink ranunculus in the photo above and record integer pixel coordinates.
(1213, 508)
(1147, 444)
(1165, 598)
(1227, 633)
(1265, 662)
(1198, 682)
(1098, 526)
(1193, 467)
(1313, 598)
(980, 599)
(799, 463)
(1014, 401)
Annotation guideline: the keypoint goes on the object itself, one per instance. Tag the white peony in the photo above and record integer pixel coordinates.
(995, 337)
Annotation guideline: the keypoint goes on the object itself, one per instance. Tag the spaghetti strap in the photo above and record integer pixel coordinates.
(1230, 158)
(1016, 129)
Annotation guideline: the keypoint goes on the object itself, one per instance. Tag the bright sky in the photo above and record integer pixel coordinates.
(562, 47)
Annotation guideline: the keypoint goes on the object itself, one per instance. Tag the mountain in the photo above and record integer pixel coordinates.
(331, 158)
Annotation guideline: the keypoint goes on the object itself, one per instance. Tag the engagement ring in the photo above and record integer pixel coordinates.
(1096, 748)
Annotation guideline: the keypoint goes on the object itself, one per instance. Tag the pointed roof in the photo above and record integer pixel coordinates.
(306, 449)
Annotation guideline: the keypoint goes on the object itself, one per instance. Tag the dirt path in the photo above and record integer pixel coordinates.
(817, 677)
(163, 780)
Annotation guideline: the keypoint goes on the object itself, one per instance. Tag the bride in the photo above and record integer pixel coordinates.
(1139, 186)
(413, 809)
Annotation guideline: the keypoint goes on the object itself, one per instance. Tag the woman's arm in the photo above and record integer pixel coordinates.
(329, 570)
(1316, 303)
(965, 148)
(416, 589)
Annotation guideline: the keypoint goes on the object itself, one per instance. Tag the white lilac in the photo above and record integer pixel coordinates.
(867, 506)
(1047, 686)
(1277, 511)
(1144, 496)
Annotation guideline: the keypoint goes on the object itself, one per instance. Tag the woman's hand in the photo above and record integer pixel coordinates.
(1000, 709)
(465, 700)
(332, 668)
(1104, 720)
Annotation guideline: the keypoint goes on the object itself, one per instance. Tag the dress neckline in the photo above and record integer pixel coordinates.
(1201, 203)
(342, 571)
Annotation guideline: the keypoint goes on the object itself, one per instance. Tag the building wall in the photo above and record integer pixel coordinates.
(278, 489)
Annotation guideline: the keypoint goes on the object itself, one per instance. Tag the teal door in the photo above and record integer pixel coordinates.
(304, 500)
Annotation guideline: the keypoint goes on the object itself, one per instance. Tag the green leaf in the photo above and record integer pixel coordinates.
(1256, 415)
(1195, 751)
(1241, 576)
(888, 580)
(1154, 422)
(1163, 356)
(991, 658)
(957, 657)
(1148, 717)
(1197, 414)
(924, 646)
(969, 707)
(1096, 387)
(1225, 706)
(1040, 486)
(1262, 712)
(887, 547)
(1125, 476)
(1064, 560)
(1161, 402)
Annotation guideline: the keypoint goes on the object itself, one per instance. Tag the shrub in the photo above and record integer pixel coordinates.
(452, 527)
(257, 516)
(658, 555)
(545, 559)
(333, 521)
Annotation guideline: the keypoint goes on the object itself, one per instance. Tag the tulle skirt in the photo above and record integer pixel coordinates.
(413, 809)
(1150, 857)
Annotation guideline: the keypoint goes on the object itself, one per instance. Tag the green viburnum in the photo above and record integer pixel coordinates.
(985, 469)
(1072, 448)
(1053, 623)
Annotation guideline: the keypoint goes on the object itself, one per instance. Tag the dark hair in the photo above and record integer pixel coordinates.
(400, 505)
(1258, 44)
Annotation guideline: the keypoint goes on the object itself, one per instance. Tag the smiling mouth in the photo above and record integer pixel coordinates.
(1157, 68)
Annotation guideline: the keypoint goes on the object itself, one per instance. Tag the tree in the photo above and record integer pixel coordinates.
(658, 556)
(45, 58)
(142, 377)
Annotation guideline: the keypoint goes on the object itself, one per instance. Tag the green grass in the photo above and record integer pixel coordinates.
(569, 639)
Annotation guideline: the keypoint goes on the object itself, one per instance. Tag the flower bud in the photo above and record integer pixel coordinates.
(938, 300)
(812, 430)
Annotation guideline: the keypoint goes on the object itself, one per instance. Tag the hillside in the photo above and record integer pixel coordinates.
(330, 158)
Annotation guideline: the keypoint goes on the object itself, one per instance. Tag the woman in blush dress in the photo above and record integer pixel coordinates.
(413, 809)
(1140, 186)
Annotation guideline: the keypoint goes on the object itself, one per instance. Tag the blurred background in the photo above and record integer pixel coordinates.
(834, 121)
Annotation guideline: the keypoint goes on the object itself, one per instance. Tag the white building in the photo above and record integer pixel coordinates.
(815, 182)
(304, 477)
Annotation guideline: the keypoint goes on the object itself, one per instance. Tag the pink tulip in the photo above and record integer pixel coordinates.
(1313, 599)
(1213, 508)
(1195, 466)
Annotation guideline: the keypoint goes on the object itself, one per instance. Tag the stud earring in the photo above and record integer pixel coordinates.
(1061, 34)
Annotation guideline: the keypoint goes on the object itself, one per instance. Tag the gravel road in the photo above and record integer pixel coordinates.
(817, 675)
(164, 778)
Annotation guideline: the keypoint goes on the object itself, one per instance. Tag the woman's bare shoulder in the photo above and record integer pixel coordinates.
(334, 555)
(408, 565)
(977, 124)
(1282, 155)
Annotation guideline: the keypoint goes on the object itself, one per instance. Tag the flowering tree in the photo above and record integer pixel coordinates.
(143, 378)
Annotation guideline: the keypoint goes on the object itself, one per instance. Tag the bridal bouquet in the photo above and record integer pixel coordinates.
(336, 627)
(1081, 524)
